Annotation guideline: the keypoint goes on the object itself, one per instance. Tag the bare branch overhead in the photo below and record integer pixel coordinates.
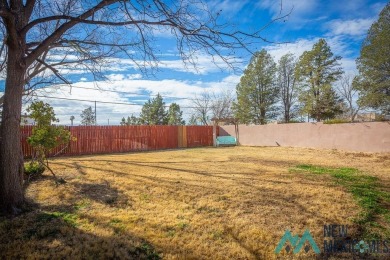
(93, 31)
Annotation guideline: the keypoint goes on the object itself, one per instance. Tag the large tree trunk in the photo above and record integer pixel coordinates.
(11, 158)
(262, 116)
(286, 115)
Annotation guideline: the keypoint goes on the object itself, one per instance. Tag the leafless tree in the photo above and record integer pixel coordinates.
(202, 107)
(287, 85)
(45, 38)
(221, 104)
(349, 92)
(212, 104)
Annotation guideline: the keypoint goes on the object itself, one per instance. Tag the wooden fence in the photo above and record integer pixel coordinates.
(116, 139)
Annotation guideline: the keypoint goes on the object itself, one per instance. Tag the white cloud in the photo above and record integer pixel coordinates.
(354, 27)
(121, 77)
(300, 9)
(296, 48)
(349, 66)
(205, 64)
(62, 56)
(338, 45)
(228, 8)
(115, 77)
(67, 71)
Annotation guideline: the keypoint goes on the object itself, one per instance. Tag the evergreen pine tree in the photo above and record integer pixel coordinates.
(88, 117)
(153, 112)
(257, 91)
(316, 70)
(374, 65)
(175, 115)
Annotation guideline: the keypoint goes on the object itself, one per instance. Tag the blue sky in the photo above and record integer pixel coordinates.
(343, 23)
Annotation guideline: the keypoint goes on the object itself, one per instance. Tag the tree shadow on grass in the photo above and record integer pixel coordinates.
(103, 193)
(249, 198)
(79, 168)
(245, 179)
(56, 235)
(195, 191)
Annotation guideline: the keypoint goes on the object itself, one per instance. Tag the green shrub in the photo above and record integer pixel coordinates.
(33, 168)
(293, 121)
(336, 121)
(381, 118)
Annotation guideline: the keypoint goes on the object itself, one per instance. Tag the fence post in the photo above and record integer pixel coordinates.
(215, 134)
(185, 143)
(180, 136)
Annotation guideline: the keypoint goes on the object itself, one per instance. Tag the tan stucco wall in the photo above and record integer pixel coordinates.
(360, 137)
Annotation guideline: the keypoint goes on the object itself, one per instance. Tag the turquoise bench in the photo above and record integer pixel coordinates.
(226, 140)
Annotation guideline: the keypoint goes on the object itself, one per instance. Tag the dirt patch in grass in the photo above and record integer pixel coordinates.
(229, 203)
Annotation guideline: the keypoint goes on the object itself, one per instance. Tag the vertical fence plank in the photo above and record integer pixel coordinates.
(113, 139)
(185, 139)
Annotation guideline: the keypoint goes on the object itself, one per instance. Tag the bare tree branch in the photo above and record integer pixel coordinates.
(221, 104)
(62, 29)
(348, 91)
(213, 104)
(54, 71)
(202, 107)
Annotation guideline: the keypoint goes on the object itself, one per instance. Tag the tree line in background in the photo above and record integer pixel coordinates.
(313, 86)
(209, 105)
(153, 112)
(205, 106)
(290, 88)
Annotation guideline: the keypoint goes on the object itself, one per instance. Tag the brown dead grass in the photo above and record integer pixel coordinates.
(225, 203)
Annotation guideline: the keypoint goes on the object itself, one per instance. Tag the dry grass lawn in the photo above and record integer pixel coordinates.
(206, 203)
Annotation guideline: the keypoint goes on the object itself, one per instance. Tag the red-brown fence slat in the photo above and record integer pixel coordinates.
(113, 139)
